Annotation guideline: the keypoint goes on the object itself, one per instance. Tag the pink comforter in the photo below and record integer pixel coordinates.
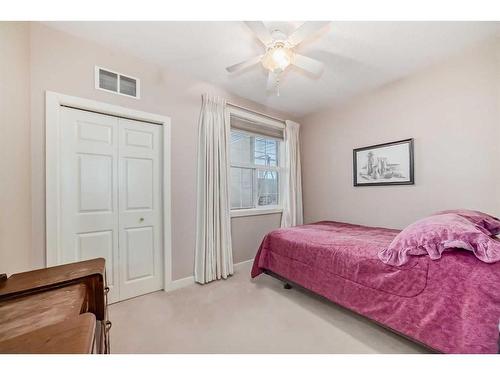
(451, 304)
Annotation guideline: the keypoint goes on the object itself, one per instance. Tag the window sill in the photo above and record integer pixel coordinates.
(255, 211)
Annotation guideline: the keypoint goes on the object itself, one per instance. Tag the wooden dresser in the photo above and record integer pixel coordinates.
(60, 309)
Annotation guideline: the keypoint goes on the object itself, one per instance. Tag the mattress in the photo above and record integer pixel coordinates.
(451, 304)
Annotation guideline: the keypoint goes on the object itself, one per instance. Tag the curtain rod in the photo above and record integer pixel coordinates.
(252, 111)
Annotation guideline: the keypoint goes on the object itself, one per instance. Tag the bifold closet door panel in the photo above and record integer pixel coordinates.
(89, 191)
(140, 207)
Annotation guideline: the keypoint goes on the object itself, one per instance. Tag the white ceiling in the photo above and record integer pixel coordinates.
(358, 55)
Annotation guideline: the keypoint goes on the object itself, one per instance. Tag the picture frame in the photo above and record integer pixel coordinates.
(384, 164)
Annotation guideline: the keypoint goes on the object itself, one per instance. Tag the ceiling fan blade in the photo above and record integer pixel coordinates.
(244, 64)
(309, 65)
(305, 30)
(272, 80)
(260, 30)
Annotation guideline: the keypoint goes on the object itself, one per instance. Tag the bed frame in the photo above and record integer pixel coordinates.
(289, 284)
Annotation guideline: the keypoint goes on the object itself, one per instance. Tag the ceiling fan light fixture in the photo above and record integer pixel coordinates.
(277, 58)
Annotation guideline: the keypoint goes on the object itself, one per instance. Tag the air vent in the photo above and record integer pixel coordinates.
(117, 83)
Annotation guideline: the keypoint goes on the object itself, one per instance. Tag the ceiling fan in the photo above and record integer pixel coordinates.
(280, 51)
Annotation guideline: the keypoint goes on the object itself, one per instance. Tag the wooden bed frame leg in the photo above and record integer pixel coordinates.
(287, 286)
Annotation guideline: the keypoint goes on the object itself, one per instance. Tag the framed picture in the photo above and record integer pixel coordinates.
(384, 164)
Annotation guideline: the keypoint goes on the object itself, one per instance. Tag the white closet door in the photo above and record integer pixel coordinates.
(140, 205)
(111, 198)
(89, 186)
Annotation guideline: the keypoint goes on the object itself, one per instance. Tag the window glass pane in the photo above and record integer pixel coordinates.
(241, 188)
(241, 146)
(267, 188)
(266, 151)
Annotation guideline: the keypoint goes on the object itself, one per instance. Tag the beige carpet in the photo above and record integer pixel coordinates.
(241, 315)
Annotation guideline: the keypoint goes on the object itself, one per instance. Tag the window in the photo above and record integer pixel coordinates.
(254, 171)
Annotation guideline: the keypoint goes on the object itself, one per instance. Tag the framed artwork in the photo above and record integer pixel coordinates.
(384, 164)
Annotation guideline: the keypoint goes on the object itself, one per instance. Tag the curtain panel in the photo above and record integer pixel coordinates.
(214, 255)
(292, 194)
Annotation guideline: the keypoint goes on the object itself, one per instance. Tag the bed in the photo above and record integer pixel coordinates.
(451, 305)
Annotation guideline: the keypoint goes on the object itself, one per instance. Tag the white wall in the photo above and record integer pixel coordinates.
(248, 232)
(15, 194)
(452, 110)
(39, 59)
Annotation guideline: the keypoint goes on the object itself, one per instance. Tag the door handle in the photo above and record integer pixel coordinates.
(141, 219)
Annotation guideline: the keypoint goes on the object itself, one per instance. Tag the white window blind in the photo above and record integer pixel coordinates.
(256, 127)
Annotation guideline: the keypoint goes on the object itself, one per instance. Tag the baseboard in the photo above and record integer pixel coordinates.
(180, 283)
(240, 265)
(187, 281)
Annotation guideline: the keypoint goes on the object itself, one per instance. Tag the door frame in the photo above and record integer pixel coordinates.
(53, 103)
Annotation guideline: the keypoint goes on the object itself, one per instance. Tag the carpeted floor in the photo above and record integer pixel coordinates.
(241, 315)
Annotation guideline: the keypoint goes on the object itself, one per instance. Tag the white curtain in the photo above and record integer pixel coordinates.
(292, 194)
(214, 254)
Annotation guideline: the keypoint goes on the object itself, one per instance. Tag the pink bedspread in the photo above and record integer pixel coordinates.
(451, 304)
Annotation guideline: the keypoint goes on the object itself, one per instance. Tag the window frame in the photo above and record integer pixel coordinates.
(263, 210)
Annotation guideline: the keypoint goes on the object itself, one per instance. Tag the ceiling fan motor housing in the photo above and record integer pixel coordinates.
(278, 36)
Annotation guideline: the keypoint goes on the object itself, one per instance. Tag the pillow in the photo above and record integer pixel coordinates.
(435, 234)
(488, 222)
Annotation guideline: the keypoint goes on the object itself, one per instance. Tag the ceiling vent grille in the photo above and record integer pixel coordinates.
(110, 81)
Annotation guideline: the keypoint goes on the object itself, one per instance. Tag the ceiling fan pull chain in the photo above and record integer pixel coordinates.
(278, 86)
